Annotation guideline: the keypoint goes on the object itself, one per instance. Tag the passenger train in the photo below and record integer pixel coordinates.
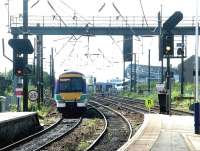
(70, 93)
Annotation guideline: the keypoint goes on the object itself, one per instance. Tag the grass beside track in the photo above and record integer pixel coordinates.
(184, 105)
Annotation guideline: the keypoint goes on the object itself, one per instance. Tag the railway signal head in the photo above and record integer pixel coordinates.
(19, 66)
(21, 46)
(180, 51)
(172, 21)
(168, 44)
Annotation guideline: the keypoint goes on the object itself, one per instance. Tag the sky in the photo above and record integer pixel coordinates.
(78, 54)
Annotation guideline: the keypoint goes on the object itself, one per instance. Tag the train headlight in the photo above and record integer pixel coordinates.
(83, 97)
(58, 97)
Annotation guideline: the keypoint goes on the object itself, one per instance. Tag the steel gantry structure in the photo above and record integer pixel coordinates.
(131, 25)
(95, 30)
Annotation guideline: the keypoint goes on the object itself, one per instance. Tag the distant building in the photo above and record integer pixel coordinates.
(142, 73)
(103, 87)
(189, 67)
(117, 83)
(116, 80)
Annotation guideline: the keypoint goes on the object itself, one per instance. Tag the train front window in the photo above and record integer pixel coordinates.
(71, 85)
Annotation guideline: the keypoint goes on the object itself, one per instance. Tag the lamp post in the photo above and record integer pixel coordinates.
(135, 74)
(25, 57)
(182, 67)
(180, 52)
(131, 87)
(149, 64)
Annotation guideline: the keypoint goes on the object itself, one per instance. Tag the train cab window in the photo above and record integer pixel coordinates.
(64, 85)
(76, 84)
(71, 85)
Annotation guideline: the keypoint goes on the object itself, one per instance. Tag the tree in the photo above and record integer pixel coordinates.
(6, 83)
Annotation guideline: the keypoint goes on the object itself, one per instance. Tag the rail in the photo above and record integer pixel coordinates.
(94, 21)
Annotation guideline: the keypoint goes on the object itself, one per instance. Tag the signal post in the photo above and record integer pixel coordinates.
(167, 43)
(21, 48)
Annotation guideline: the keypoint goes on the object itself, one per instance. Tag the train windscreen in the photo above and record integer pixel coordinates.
(72, 85)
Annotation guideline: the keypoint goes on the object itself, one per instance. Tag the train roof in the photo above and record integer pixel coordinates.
(71, 74)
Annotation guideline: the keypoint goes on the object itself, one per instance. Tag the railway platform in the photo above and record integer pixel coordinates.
(17, 125)
(164, 133)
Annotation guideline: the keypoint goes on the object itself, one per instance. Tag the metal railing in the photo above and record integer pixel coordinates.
(94, 21)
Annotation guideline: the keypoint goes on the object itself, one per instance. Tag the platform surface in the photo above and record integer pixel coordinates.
(7, 116)
(17, 125)
(165, 133)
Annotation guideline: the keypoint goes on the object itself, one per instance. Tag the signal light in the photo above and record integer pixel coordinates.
(19, 66)
(180, 51)
(168, 44)
(19, 72)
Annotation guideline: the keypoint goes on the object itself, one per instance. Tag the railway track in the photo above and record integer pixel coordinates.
(119, 103)
(134, 115)
(140, 104)
(119, 130)
(85, 135)
(29, 138)
(95, 141)
(54, 138)
(44, 138)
